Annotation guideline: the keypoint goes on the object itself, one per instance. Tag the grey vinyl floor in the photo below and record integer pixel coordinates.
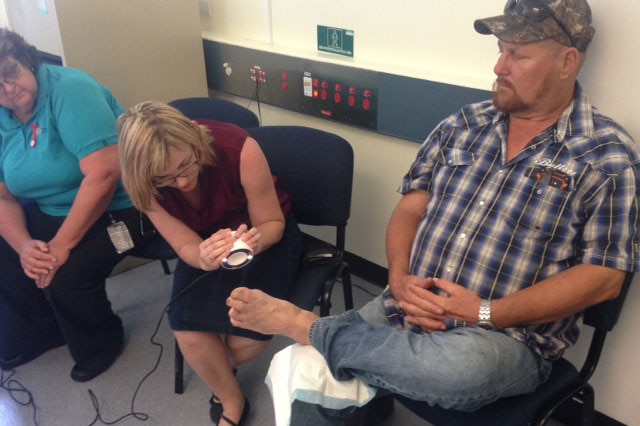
(43, 394)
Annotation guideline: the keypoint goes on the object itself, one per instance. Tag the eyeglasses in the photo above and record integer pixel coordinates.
(170, 180)
(10, 74)
(537, 10)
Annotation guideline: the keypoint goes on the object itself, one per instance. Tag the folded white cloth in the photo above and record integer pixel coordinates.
(300, 372)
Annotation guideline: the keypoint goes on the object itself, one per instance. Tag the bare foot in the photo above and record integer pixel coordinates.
(255, 310)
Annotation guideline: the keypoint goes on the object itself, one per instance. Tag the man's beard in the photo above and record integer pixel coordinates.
(507, 102)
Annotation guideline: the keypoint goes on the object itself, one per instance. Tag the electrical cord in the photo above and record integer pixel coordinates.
(256, 96)
(143, 416)
(16, 389)
(370, 293)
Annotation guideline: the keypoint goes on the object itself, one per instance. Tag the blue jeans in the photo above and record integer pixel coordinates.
(463, 368)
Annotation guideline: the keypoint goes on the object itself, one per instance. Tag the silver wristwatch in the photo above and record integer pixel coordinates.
(484, 315)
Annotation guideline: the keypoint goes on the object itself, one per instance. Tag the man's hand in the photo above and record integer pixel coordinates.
(458, 302)
(428, 310)
(419, 303)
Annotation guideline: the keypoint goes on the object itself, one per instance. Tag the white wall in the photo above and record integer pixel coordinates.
(142, 49)
(434, 39)
(38, 26)
(4, 18)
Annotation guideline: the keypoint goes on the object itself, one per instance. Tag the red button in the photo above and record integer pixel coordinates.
(353, 90)
(285, 86)
(367, 93)
(324, 94)
(324, 84)
(366, 103)
(337, 97)
(352, 100)
(338, 87)
(285, 76)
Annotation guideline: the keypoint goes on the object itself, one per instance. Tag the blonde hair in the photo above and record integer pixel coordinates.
(147, 132)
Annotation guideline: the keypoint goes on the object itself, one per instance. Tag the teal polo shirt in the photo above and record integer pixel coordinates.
(74, 117)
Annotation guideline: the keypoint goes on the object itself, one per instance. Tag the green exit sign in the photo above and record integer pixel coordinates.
(335, 40)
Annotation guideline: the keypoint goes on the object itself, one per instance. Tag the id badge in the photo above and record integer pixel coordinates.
(120, 237)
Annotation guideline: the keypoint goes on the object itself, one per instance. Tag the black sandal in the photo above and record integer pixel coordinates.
(243, 417)
(215, 410)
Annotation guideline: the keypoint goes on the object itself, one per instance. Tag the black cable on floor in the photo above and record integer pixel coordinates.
(142, 416)
(16, 389)
(364, 289)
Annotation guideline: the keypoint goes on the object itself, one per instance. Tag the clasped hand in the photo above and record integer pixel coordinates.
(428, 310)
(218, 246)
(40, 261)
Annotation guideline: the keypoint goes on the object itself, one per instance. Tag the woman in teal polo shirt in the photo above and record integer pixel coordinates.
(58, 150)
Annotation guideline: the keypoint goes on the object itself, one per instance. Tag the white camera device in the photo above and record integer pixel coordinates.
(241, 254)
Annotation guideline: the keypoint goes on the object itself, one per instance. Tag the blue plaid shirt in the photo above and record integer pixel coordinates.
(496, 227)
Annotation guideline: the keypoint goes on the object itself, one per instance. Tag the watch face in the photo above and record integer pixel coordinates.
(486, 324)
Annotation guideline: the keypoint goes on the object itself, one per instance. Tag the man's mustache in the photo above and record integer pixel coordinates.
(501, 81)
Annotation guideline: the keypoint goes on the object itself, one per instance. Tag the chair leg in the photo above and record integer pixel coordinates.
(372, 413)
(165, 266)
(325, 301)
(178, 386)
(346, 288)
(588, 406)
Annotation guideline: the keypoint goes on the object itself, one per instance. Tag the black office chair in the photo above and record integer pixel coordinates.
(565, 383)
(216, 109)
(207, 109)
(316, 169)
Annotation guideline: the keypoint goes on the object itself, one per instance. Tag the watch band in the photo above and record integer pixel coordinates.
(484, 315)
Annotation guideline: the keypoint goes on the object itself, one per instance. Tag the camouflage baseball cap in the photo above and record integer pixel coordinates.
(566, 21)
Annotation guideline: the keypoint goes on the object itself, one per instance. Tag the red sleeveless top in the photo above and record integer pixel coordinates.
(223, 201)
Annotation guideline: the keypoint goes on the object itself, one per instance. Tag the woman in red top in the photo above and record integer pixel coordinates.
(203, 185)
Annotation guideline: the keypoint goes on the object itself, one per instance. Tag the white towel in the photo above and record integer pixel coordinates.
(300, 372)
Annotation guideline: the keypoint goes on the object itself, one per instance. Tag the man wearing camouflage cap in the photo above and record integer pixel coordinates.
(517, 214)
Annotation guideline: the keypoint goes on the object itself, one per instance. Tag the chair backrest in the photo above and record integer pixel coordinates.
(604, 316)
(315, 167)
(216, 109)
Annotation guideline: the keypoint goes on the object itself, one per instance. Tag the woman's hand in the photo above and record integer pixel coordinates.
(37, 261)
(215, 248)
(61, 254)
(251, 237)
(218, 246)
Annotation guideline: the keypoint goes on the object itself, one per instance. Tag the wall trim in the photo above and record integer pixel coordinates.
(367, 270)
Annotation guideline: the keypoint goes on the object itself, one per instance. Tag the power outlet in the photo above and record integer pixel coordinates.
(258, 75)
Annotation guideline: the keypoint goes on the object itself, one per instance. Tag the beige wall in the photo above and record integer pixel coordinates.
(431, 39)
(434, 39)
(140, 49)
